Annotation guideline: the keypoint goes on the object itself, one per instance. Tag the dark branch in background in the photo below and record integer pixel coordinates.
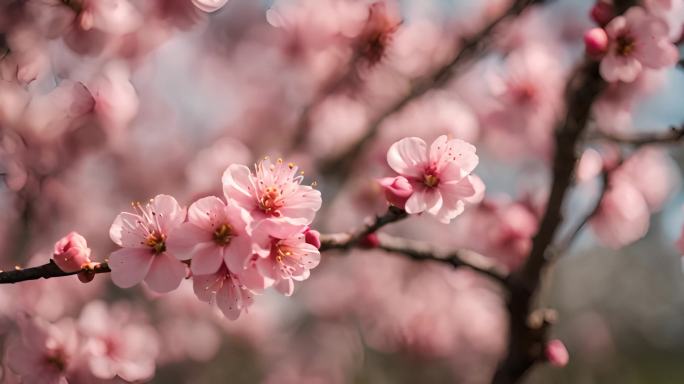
(340, 166)
(46, 271)
(525, 343)
(674, 135)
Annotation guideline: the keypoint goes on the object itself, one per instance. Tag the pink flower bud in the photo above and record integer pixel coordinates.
(71, 252)
(397, 190)
(602, 12)
(370, 241)
(556, 353)
(596, 42)
(313, 237)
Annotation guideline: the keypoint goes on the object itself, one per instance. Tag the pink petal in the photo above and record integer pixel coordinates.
(169, 213)
(206, 259)
(238, 187)
(285, 286)
(129, 266)
(254, 280)
(238, 252)
(204, 286)
(165, 274)
(207, 213)
(125, 231)
(417, 203)
(228, 300)
(408, 157)
(614, 68)
(182, 243)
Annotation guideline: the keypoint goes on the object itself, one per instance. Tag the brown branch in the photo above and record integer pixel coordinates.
(673, 135)
(341, 165)
(46, 271)
(525, 343)
(345, 241)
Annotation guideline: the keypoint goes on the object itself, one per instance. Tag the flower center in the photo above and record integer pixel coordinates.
(156, 241)
(625, 45)
(282, 253)
(430, 180)
(223, 234)
(271, 200)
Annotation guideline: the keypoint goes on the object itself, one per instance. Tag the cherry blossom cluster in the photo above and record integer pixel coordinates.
(640, 38)
(101, 344)
(256, 237)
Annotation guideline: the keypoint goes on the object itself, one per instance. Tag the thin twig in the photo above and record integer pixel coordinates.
(674, 135)
(350, 240)
(46, 271)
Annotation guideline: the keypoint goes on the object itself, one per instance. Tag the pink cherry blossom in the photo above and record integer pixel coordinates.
(43, 353)
(226, 290)
(117, 17)
(285, 254)
(209, 5)
(117, 345)
(623, 216)
(215, 233)
(273, 191)
(637, 40)
(440, 176)
(144, 255)
(71, 252)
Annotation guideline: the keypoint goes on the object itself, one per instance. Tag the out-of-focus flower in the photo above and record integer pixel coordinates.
(116, 102)
(285, 255)
(144, 255)
(637, 40)
(440, 176)
(274, 191)
(653, 173)
(216, 232)
(117, 345)
(602, 12)
(117, 17)
(556, 353)
(596, 42)
(623, 215)
(225, 289)
(42, 352)
(209, 5)
(397, 190)
(71, 252)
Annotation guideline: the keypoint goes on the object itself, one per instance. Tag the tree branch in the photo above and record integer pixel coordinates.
(525, 343)
(342, 164)
(46, 271)
(345, 241)
(674, 135)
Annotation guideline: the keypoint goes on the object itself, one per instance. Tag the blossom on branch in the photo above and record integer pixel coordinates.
(440, 175)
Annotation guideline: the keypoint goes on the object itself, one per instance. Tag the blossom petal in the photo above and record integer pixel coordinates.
(169, 213)
(182, 243)
(130, 266)
(165, 274)
(207, 213)
(206, 259)
(408, 157)
(238, 186)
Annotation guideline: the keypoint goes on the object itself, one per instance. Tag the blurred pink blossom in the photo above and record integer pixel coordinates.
(623, 215)
(42, 352)
(556, 353)
(116, 344)
(637, 40)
